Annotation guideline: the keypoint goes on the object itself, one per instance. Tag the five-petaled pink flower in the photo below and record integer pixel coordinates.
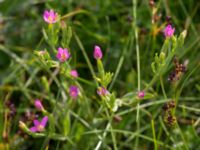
(73, 91)
(74, 73)
(50, 16)
(97, 52)
(169, 31)
(39, 126)
(63, 54)
(38, 104)
(101, 91)
(141, 94)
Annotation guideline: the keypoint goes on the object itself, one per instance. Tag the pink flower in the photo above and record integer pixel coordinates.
(38, 104)
(97, 52)
(50, 16)
(74, 73)
(39, 126)
(169, 31)
(63, 54)
(101, 91)
(141, 94)
(73, 91)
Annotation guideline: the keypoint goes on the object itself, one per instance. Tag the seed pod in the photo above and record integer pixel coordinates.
(171, 120)
(172, 104)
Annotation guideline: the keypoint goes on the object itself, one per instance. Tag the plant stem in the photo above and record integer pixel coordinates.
(112, 133)
(163, 88)
(104, 135)
(121, 61)
(85, 55)
(136, 41)
(182, 136)
(154, 135)
(138, 63)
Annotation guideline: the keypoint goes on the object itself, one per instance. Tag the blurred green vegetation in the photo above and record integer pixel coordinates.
(109, 24)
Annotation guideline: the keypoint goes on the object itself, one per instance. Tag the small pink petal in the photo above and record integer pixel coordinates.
(36, 122)
(44, 121)
(33, 129)
(101, 91)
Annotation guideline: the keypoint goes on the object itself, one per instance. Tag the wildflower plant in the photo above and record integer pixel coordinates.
(108, 89)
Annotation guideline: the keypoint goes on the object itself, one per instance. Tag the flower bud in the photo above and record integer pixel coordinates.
(97, 52)
(73, 91)
(74, 73)
(38, 104)
(101, 91)
(141, 94)
(169, 31)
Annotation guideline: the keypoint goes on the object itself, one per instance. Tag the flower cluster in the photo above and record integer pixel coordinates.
(62, 55)
(103, 78)
(39, 126)
(178, 71)
(27, 118)
(97, 54)
(168, 106)
(169, 117)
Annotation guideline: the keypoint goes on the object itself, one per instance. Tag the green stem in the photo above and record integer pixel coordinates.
(112, 133)
(104, 135)
(136, 41)
(151, 82)
(138, 64)
(154, 135)
(163, 88)
(182, 136)
(119, 65)
(85, 55)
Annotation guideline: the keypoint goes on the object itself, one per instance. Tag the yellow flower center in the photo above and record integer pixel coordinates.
(63, 57)
(40, 128)
(50, 18)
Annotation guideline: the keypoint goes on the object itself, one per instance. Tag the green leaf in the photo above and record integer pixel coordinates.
(45, 83)
(100, 68)
(1, 120)
(66, 123)
(66, 35)
(181, 39)
(107, 78)
(153, 67)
